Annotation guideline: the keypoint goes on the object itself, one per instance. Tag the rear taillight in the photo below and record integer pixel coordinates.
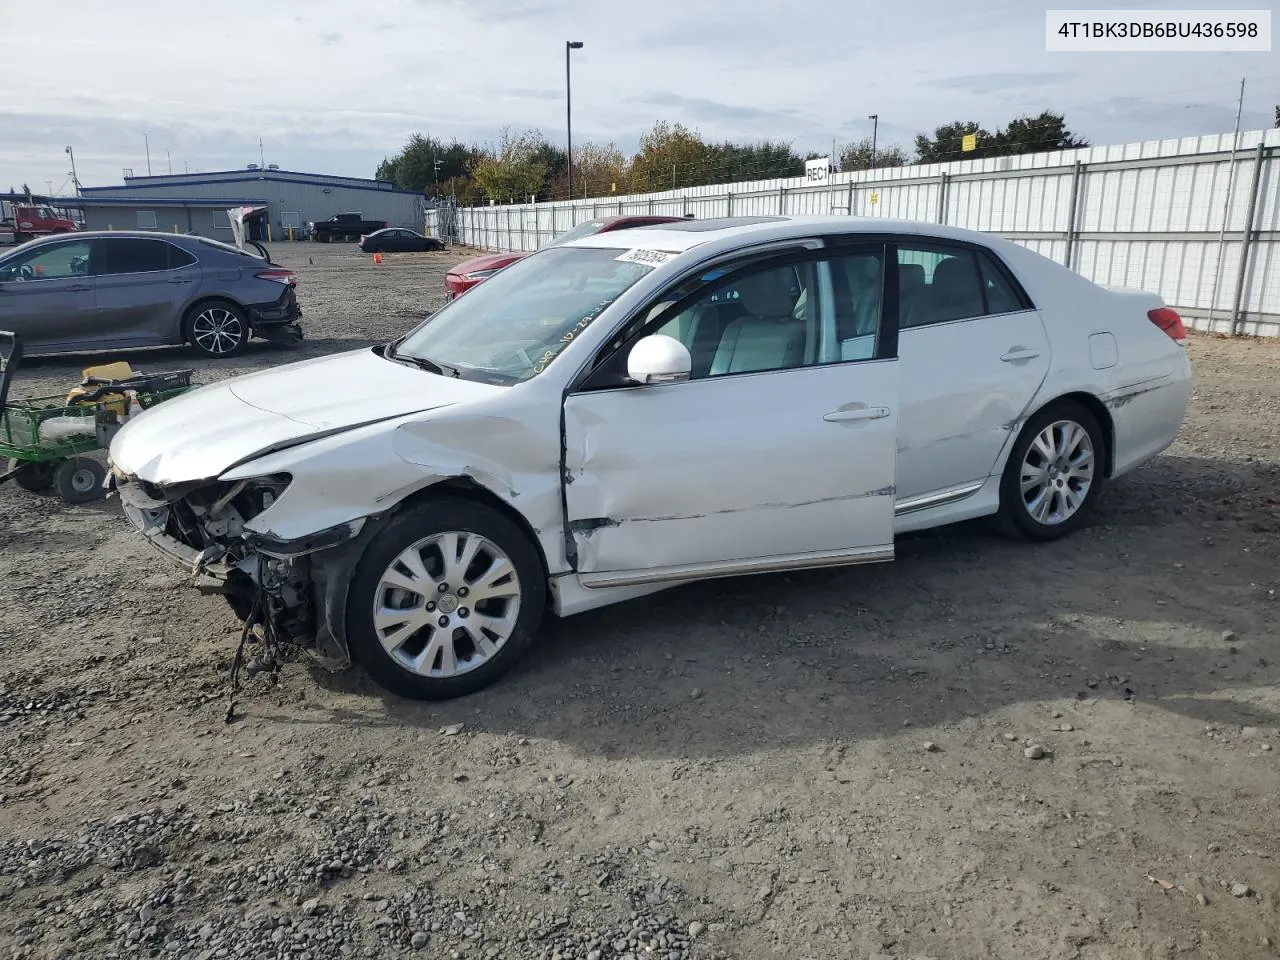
(279, 276)
(1168, 321)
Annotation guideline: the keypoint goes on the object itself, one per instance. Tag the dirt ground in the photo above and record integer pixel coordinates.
(821, 765)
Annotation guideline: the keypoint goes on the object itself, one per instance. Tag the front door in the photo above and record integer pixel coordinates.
(47, 295)
(779, 454)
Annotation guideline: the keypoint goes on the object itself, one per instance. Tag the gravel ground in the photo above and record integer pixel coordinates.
(985, 750)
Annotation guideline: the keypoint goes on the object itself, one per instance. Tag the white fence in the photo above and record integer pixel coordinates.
(1190, 219)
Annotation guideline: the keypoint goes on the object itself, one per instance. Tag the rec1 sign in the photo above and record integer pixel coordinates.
(817, 171)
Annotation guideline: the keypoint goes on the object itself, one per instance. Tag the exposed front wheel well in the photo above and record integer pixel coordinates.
(468, 489)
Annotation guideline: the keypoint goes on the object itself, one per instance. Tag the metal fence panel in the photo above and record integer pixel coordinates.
(1147, 214)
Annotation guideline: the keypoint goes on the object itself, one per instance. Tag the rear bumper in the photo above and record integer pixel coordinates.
(283, 311)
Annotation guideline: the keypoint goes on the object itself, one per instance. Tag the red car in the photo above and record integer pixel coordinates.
(467, 274)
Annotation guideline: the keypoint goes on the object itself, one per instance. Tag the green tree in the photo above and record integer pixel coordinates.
(670, 156)
(1043, 132)
(1046, 131)
(26, 191)
(947, 142)
(859, 156)
(730, 162)
(415, 166)
(515, 170)
(1278, 115)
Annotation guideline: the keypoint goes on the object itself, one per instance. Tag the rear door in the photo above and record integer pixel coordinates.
(142, 285)
(47, 295)
(974, 353)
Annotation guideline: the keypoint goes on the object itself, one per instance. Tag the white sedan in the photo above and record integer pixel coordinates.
(640, 409)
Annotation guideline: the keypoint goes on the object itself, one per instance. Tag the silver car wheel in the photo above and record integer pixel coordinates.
(216, 330)
(447, 604)
(1057, 472)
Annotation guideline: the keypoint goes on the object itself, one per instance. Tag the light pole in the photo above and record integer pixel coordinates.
(569, 46)
(75, 181)
(875, 129)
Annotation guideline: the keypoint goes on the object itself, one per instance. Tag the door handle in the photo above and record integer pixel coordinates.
(1019, 353)
(179, 280)
(858, 413)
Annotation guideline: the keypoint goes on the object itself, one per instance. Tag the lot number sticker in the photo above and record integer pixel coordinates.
(647, 258)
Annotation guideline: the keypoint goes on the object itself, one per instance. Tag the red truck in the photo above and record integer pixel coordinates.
(21, 222)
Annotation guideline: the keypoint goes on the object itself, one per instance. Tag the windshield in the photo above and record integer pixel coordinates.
(511, 327)
(581, 230)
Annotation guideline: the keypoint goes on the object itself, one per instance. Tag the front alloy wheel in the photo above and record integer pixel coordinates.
(1054, 473)
(445, 600)
(219, 330)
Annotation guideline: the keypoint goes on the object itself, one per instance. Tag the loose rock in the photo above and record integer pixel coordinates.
(1033, 752)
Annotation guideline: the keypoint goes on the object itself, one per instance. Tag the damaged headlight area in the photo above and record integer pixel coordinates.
(271, 584)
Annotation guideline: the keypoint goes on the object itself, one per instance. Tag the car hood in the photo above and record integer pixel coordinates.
(492, 261)
(204, 432)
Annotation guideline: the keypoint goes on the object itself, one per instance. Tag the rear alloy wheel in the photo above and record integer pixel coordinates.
(1054, 473)
(79, 480)
(218, 329)
(445, 600)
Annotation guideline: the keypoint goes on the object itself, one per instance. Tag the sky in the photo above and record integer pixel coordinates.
(333, 86)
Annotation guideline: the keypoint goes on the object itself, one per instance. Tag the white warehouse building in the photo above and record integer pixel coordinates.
(198, 202)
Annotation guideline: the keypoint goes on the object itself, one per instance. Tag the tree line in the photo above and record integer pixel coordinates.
(525, 164)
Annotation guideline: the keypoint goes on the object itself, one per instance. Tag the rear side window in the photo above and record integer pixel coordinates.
(135, 255)
(939, 283)
(1001, 296)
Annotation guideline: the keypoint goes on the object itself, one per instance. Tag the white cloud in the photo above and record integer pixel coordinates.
(333, 86)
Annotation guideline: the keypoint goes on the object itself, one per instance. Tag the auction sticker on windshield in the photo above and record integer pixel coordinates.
(646, 258)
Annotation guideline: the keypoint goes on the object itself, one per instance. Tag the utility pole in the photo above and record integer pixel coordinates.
(168, 160)
(147, 142)
(262, 162)
(1226, 210)
(875, 129)
(75, 182)
(569, 46)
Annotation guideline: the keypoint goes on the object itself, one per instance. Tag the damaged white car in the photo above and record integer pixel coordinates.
(635, 410)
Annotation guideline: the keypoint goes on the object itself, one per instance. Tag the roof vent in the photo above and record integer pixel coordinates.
(253, 166)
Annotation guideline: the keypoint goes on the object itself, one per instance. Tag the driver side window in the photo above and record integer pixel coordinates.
(58, 261)
(766, 320)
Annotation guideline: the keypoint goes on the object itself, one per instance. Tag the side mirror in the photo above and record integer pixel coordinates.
(659, 359)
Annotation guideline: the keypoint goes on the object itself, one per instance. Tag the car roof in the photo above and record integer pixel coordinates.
(685, 234)
(125, 234)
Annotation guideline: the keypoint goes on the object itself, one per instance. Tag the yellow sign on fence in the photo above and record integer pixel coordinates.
(970, 142)
(875, 197)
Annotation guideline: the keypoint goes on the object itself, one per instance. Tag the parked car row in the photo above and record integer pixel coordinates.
(416, 507)
(120, 289)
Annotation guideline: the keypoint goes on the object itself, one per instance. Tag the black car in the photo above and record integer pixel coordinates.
(398, 240)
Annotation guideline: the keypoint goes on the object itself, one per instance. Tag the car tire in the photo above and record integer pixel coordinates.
(405, 648)
(217, 328)
(34, 476)
(1054, 474)
(79, 480)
